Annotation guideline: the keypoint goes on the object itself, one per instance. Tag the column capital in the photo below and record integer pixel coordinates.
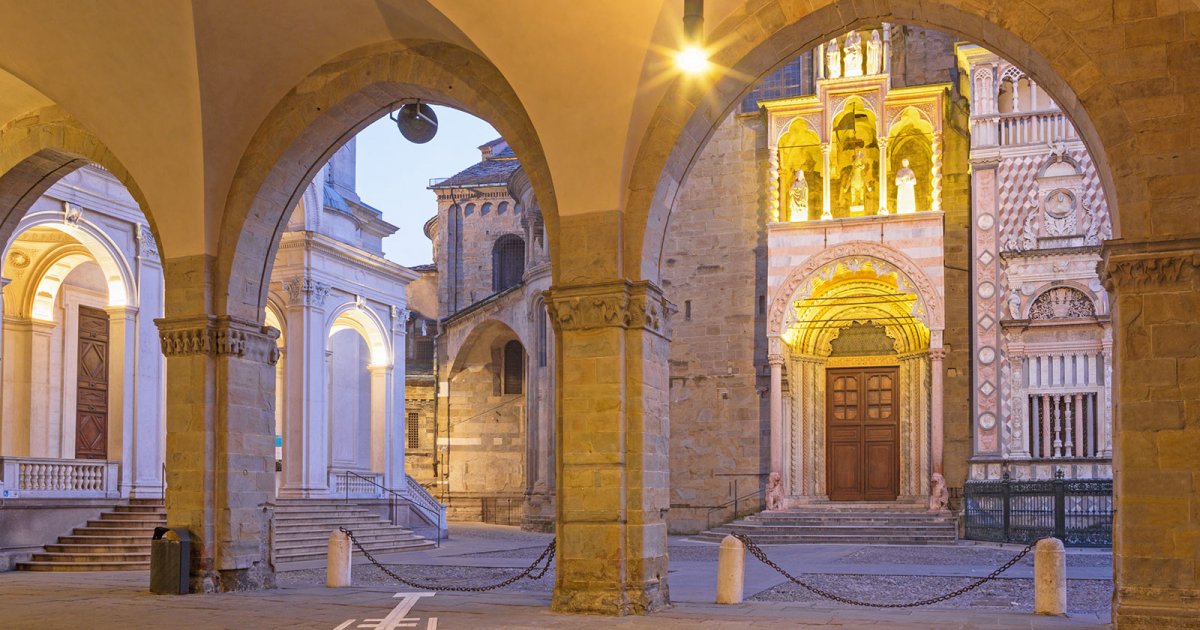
(621, 304)
(1137, 265)
(218, 336)
(117, 312)
(377, 370)
(937, 354)
(306, 291)
(775, 359)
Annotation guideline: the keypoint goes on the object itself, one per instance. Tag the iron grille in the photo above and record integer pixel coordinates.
(1078, 512)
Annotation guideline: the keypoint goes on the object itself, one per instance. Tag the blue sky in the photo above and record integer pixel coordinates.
(393, 174)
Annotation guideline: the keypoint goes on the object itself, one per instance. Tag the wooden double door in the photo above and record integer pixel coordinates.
(91, 393)
(863, 433)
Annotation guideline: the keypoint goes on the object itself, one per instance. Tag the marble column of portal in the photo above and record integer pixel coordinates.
(883, 176)
(220, 441)
(387, 445)
(826, 201)
(775, 360)
(394, 475)
(123, 425)
(613, 481)
(936, 429)
(305, 421)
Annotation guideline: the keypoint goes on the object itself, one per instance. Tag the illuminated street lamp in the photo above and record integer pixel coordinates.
(693, 58)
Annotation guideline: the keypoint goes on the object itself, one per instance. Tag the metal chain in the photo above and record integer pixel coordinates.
(533, 572)
(757, 552)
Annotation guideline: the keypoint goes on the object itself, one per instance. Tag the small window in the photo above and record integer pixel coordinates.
(412, 425)
(470, 209)
(485, 209)
(508, 262)
(502, 207)
(543, 336)
(514, 368)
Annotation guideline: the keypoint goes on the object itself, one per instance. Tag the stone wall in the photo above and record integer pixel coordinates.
(465, 261)
(714, 272)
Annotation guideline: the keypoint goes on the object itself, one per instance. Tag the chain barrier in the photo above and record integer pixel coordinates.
(533, 571)
(761, 555)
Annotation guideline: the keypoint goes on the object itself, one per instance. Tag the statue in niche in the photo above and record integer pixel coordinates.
(906, 189)
(799, 198)
(774, 492)
(874, 53)
(857, 186)
(853, 55)
(833, 59)
(939, 496)
(1014, 304)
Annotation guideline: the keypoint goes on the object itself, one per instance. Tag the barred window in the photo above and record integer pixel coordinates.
(508, 262)
(412, 426)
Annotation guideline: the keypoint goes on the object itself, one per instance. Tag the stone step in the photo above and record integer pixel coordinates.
(124, 532)
(92, 557)
(83, 566)
(98, 548)
(103, 539)
(290, 520)
(801, 539)
(104, 523)
(323, 539)
(300, 555)
(158, 516)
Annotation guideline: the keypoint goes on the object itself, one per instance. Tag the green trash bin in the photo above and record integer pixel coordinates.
(170, 561)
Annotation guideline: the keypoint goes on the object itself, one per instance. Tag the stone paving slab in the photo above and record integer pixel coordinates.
(120, 600)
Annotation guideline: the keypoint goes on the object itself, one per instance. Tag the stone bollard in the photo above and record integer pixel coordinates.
(337, 569)
(731, 571)
(1050, 577)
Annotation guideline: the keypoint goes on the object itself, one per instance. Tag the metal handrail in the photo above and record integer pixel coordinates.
(735, 502)
(393, 495)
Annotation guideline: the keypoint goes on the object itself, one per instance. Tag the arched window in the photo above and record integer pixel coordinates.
(514, 367)
(508, 262)
(485, 209)
(502, 207)
(469, 210)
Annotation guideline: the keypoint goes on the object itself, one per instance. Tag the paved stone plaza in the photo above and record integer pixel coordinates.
(109, 600)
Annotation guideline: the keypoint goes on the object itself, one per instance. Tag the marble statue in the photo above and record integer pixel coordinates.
(858, 184)
(874, 53)
(906, 189)
(833, 59)
(853, 55)
(774, 492)
(1014, 304)
(939, 496)
(799, 198)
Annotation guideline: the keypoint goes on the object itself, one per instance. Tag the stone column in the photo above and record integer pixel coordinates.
(123, 427)
(775, 359)
(826, 202)
(613, 482)
(1155, 289)
(41, 388)
(935, 174)
(220, 446)
(148, 417)
(305, 422)
(936, 389)
(883, 176)
(393, 465)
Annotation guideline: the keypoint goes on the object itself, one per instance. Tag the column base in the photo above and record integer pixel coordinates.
(1156, 608)
(259, 577)
(619, 602)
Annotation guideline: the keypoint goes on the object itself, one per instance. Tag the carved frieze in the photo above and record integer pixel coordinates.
(218, 336)
(1138, 272)
(1061, 303)
(625, 305)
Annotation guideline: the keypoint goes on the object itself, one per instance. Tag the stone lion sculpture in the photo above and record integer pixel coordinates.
(774, 492)
(939, 496)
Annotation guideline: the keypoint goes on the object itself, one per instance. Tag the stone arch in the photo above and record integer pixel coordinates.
(761, 37)
(927, 296)
(41, 148)
(326, 110)
(122, 289)
(367, 324)
(491, 328)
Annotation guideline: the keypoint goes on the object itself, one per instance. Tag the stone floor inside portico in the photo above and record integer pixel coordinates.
(476, 553)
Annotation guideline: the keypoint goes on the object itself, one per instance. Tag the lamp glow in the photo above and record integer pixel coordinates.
(692, 60)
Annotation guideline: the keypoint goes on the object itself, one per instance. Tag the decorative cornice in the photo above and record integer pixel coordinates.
(306, 290)
(218, 336)
(1138, 265)
(624, 304)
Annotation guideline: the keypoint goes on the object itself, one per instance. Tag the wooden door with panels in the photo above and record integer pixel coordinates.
(863, 433)
(91, 392)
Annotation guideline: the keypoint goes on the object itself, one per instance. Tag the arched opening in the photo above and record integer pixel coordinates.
(508, 262)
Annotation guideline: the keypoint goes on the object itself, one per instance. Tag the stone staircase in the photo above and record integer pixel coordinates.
(893, 523)
(118, 541)
(302, 528)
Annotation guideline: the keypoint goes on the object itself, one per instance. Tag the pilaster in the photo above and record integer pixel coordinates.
(220, 445)
(305, 422)
(612, 461)
(1155, 288)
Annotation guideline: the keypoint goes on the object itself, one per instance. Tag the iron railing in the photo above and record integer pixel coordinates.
(1078, 512)
(395, 499)
(501, 510)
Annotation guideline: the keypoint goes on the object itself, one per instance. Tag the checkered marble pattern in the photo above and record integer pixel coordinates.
(1016, 177)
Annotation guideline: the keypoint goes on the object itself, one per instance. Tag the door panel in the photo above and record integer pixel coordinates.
(863, 432)
(91, 393)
